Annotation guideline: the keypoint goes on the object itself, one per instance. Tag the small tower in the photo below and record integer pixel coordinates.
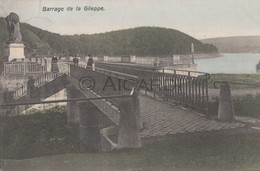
(192, 53)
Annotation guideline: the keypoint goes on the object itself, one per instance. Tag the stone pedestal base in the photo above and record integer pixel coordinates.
(16, 51)
(225, 107)
(130, 123)
(72, 110)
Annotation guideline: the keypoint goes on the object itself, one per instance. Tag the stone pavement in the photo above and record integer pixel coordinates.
(162, 119)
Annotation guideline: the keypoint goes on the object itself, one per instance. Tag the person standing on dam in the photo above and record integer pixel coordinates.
(90, 62)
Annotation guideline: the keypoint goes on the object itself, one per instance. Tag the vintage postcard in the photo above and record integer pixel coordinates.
(133, 85)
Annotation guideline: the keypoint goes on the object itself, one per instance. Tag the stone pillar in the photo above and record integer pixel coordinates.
(106, 58)
(137, 108)
(225, 107)
(48, 67)
(72, 110)
(33, 59)
(89, 126)
(129, 123)
(133, 59)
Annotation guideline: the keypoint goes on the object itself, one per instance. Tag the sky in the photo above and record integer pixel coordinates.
(198, 18)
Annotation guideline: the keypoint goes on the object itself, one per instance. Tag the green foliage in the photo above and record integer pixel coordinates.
(3, 38)
(113, 133)
(247, 105)
(38, 133)
(56, 109)
(196, 152)
(244, 105)
(241, 78)
(143, 41)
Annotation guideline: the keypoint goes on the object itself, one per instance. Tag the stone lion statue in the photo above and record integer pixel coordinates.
(13, 28)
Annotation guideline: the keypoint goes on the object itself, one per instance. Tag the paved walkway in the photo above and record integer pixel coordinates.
(161, 119)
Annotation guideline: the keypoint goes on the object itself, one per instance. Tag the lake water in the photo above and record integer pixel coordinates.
(235, 63)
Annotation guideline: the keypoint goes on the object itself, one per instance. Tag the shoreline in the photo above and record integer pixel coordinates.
(207, 55)
(215, 55)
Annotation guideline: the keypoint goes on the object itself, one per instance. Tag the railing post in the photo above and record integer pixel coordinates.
(189, 85)
(163, 87)
(72, 111)
(207, 99)
(24, 68)
(130, 123)
(89, 133)
(225, 108)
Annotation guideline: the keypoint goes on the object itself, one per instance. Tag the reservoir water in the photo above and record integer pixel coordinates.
(234, 63)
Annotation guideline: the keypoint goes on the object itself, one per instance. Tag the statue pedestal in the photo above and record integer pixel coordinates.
(16, 51)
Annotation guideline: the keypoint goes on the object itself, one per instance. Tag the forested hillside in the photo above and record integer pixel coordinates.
(238, 44)
(141, 41)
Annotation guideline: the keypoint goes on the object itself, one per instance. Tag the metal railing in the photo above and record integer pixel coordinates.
(65, 100)
(38, 81)
(148, 68)
(45, 78)
(182, 87)
(19, 92)
(23, 68)
(110, 72)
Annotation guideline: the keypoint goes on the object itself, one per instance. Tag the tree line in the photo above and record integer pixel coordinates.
(141, 41)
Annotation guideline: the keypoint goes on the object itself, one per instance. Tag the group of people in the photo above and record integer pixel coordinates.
(90, 62)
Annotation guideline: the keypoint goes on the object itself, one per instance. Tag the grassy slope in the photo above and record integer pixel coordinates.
(245, 104)
(3, 37)
(38, 133)
(214, 153)
(242, 78)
